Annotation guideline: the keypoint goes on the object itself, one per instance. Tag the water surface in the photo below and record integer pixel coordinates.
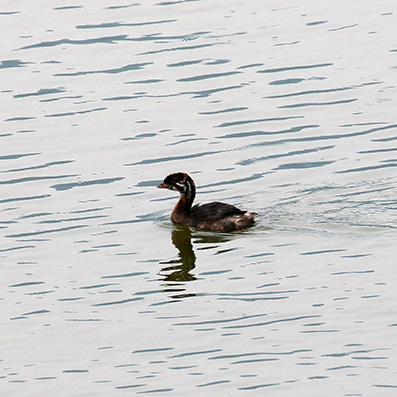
(283, 108)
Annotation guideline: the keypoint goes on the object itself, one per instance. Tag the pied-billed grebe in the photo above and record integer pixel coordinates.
(219, 217)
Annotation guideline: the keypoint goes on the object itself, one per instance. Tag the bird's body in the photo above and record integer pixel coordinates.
(216, 216)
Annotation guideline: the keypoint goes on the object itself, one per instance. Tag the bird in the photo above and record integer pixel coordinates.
(216, 216)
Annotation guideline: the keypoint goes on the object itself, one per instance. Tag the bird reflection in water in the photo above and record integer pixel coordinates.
(179, 271)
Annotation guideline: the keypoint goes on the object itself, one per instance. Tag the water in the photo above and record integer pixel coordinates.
(283, 108)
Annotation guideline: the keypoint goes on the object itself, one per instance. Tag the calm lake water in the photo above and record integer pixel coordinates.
(280, 107)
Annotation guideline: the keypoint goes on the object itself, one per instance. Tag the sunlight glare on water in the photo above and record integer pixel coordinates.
(282, 108)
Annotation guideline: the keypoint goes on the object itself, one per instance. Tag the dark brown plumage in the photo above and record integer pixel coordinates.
(219, 217)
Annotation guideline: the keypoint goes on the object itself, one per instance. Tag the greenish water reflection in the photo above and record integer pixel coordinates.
(182, 237)
(180, 269)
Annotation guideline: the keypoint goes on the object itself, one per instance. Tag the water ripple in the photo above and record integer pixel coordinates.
(36, 178)
(254, 121)
(46, 231)
(172, 158)
(281, 155)
(324, 137)
(41, 166)
(293, 68)
(207, 76)
(259, 132)
(68, 186)
(307, 104)
(368, 168)
(25, 198)
(106, 25)
(122, 69)
(41, 91)
(265, 323)
(55, 43)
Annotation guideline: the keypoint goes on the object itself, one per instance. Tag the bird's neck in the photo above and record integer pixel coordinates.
(187, 197)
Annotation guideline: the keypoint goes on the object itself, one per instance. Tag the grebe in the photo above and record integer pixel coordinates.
(218, 217)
